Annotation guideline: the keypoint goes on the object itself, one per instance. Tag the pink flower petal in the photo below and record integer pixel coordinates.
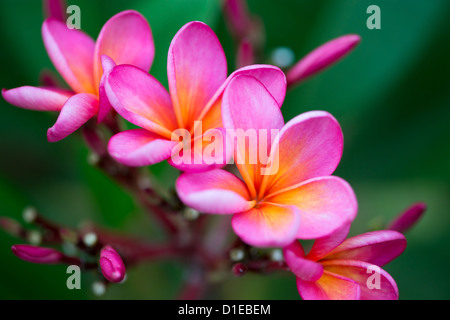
(248, 109)
(325, 205)
(322, 57)
(77, 110)
(329, 287)
(374, 282)
(37, 98)
(196, 68)
(267, 225)
(323, 246)
(104, 106)
(55, 9)
(303, 268)
(408, 218)
(271, 77)
(71, 52)
(141, 99)
(127, 39)
(377, 247)
(139, 147)
(310, 145)
(215, 191)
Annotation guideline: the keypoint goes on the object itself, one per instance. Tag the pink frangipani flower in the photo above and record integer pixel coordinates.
(197, 76)
(296, 199)
(125, 38)
(335, 269)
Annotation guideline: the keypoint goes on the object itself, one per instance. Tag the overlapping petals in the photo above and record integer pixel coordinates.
(190, 112)
(293, 192)
(343, 270)
(126, 39)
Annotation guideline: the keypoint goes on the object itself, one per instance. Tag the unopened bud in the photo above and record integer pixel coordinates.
(239, 269)
(408, 218)
(36, 254)
(111, 265)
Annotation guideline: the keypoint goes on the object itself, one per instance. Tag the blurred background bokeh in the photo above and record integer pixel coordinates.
(391, 97)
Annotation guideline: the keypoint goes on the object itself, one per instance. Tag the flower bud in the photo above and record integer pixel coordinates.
(36, 254)
(321, 58)
(408, 218)
(111, 265)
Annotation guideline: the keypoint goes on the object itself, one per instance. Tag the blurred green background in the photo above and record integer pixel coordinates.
(391, 97)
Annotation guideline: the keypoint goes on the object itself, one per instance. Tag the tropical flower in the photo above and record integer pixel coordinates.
(197, 75)
(125, 38)
(346, 270)
(275, 204)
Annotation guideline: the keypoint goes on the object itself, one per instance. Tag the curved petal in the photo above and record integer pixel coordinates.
(267, 225)
(127, 39)
(253, 117)
(37, 98)
(71, 52)
(196, 68)
(104, 105)
(271, 77)
(377, 247)
(210, 150)
(323, 246)
(140, 99)
(325, 204)
(215, 191)
(374, 282)
(322, 57)
(77, 110)
(139, 147)
(329, 287)
(303, 268)
(310, 145)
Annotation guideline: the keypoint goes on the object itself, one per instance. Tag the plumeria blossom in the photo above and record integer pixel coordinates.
(126, 38)
(298, 198)
(350, 269)
(190, 111)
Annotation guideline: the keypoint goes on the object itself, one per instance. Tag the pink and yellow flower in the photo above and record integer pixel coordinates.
(338, 269)
(297, 199)
(197, 76)
(126, 38)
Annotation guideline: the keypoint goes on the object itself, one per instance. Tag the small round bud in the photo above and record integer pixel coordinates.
(90, 239)
(34, 237)
(239, 269)
(191, 214)
(98, 288)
